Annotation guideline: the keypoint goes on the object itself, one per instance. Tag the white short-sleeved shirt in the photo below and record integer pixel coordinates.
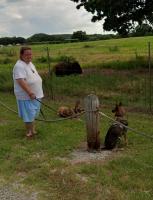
(28, 72)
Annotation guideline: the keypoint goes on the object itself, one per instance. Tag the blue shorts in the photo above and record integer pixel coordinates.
(28, 109)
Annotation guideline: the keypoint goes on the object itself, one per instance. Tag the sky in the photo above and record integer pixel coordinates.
(23, 18)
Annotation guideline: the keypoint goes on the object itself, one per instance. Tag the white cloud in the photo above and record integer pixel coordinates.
(27, 17)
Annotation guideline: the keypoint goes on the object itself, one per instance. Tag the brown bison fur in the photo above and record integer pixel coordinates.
(67, 68)
(65, 111)
(116, 130)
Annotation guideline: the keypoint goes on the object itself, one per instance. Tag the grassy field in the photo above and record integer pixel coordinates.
(115, 71)
(89, 54)
(128, 54)
(119, 54)
(42, 164)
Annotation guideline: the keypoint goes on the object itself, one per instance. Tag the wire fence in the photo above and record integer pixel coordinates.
(133, 85)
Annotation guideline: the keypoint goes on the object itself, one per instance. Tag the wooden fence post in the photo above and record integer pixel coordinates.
(92, 122)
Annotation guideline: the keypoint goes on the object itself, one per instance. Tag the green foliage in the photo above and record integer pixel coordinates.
(142, 30)
(119, 16)
(12, 40)
(80, 35)
(6, 83)
(42, 59)
(114, 49)
(42, 37)
(67, 59)
(5, 61)
(87, 46)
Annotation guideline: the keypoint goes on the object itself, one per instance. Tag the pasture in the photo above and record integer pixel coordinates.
(129, 55)
(115, 70)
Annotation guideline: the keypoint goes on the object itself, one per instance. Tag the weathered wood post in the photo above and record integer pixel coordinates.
(92, 122)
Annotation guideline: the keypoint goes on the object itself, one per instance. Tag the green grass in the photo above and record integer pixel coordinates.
(39, 164)
(98, 52)
(36, 164)
(127, 87)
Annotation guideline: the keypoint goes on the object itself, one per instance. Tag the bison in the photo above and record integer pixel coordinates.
(67, 68)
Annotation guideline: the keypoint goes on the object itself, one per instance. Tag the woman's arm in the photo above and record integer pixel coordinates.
(26, 88)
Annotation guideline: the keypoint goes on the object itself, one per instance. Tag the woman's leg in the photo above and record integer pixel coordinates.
(34, 128)
(29, 128)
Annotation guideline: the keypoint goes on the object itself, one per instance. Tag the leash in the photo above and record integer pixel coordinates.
(47, 106)
(132, 129)
(76, 115)
(45, 120)
(10, 109)
(61, 119)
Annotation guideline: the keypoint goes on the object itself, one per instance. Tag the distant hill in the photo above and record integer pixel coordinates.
(42, 37)
(39, 38)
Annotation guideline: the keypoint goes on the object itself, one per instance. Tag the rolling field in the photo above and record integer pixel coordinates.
(128, 55)
(87, 53)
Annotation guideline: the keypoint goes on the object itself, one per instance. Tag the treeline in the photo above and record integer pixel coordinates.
(143, 30)
(51, 39)
(12, 40)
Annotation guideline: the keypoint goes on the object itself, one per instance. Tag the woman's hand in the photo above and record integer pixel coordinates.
(26, 88)
(32, 96)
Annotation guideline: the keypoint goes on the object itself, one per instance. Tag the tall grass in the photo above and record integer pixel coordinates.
(6, 81)
(110, 88)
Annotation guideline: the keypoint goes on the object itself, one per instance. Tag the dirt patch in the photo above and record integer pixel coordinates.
(81, 155)
(3, 122)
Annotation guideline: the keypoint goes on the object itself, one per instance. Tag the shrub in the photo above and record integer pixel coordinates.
(113, 48)
(67, 59)
(6, 61)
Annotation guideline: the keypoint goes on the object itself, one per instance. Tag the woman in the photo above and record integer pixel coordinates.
(27, 89)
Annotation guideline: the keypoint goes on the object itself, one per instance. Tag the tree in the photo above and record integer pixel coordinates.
(119, 15)
(80, 35)
(142, 30)
(12, 40)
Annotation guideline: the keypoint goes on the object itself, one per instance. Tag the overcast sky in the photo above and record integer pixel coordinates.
(27, 17)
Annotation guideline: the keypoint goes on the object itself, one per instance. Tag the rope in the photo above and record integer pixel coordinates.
(132, 129)
(45, 120)
(77, 115)
(47, 106)
(57, 120)
(8, 107)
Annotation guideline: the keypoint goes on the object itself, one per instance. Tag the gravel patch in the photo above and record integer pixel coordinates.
(8, 193)
(80, 156)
